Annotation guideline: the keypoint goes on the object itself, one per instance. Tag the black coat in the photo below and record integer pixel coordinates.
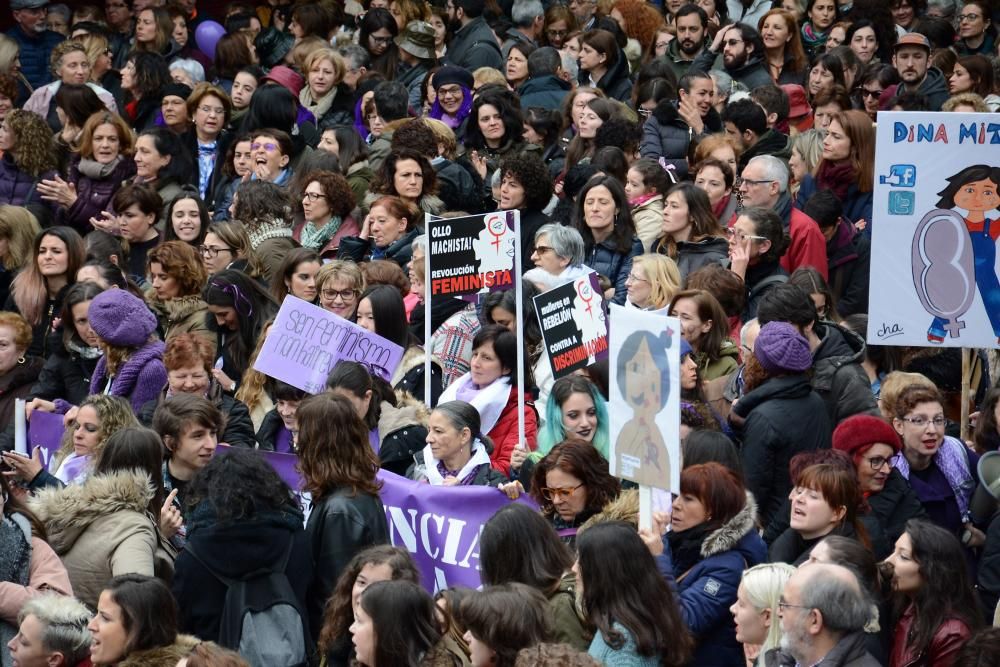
(340, 525)
(780, 418)
(44, 338)
(615, 83)
(360, 250)
(849, 257)
(665, 134)
(217, 181)
(547, 92)
(894, 505)
(65, 375)
(838, 376)
(235, 549)
(239, 426)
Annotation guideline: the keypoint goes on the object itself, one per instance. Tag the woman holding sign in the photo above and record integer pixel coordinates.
(491, 387)
(338, 468)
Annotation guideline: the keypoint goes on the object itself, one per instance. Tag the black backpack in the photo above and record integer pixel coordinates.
(262, 619)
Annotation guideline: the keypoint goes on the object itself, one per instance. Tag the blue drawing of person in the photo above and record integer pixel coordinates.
(643, 374)
(975, 190)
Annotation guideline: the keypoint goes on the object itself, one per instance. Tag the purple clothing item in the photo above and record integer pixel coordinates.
(374, 440)
(140, 379)
(465, 481)
(955, 465)
(304, 116)
(283, 441)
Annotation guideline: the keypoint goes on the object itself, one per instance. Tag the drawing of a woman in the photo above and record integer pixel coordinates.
(644, 380)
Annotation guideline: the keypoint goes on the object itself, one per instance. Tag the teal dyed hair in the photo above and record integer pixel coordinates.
(553, 432)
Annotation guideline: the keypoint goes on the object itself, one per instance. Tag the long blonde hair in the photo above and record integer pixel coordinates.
(252, 389)
(763, 585)
(663, 275)
(19, 228)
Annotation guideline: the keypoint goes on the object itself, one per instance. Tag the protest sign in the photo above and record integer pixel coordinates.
(306, 342)
(473, 254)
(438, 525)
(935, 230)
(645, 398)
(573, 319)
(45, 431)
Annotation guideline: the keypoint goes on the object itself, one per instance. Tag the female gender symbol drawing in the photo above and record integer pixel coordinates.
(952, 252)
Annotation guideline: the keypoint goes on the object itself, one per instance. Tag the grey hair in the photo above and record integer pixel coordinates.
(745, 330)
(835, 592)
(566, 242)
(524, 12)
(419, 241)
(464, 415)
(723, 81)
(65, 622)
(570, 65)
(947, 7)
(356, 56)
(62, 10)
(191, 67)
(774, 168)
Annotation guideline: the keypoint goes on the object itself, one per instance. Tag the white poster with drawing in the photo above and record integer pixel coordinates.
(935, 229)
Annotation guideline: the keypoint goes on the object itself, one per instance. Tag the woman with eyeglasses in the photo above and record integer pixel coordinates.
(210, 108)
(376, 31)
(872, 443)
(941, 469)
(453, 98)
(340, 284)
(652, 282)
(457, 453)
(327, 202)
(571, 484)
(976, 32)
(756, 244)
(227, 246)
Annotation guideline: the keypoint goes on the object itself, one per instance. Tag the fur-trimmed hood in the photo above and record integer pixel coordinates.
(623, 508)
(408, 412)
(412, 357)
(67, 512)
(728, 536)
(161, 656)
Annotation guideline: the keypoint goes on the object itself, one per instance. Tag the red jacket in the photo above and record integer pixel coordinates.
(504, 432)
(945, 645)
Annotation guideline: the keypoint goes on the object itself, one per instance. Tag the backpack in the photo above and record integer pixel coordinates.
(262, 619)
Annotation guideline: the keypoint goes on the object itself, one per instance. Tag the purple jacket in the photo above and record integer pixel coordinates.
(93, 196)
(18, 188)
(140, 379)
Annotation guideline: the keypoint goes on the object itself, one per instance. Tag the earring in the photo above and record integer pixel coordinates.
(21, 360)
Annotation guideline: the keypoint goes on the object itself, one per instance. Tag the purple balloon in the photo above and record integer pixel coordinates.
(207, 35)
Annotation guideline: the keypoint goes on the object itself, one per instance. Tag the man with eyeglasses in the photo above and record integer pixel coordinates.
(765, 184)
(837, 352)
(823, 612)
(474, 45)
(742, 51)
(35, 43)
(691, 22)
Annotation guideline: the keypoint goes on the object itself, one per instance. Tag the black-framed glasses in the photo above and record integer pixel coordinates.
(552, 493)
(313, 196)
(332, 294)
(211, 251)
(756, 181)
(969, 17)
(385, 41)
(876, 462)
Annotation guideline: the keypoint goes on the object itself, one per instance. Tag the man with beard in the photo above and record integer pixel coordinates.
(474, 44)
(911, 58)
(823, 612)
(742, 52)
(691, 22)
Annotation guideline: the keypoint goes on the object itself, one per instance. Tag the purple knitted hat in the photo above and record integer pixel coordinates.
(780, 348)
(121, 318)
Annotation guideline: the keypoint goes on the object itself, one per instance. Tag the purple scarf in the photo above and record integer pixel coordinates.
(954, 464)
(140, 379)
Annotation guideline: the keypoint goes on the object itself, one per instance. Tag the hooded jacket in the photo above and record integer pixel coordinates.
(547, 92)
(708, 589)
(728, 362)
(678, 65)
(771, 142)
(613, 263)
(183, 314)
(934, 87)
(402, 432)
(780, 418)
(234, 549)
(161, 656)
(838, 376)
(692, 255)
(100, 529)
(751, 74)
(473, 46)
(665, 134)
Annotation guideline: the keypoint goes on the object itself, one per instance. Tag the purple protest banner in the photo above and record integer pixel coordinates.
(440, 526)
(306, 342)
(45, 430)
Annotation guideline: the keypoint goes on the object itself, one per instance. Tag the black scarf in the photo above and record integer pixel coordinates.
(685, 546)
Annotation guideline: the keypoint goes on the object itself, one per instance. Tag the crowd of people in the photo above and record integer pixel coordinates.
(172, 172)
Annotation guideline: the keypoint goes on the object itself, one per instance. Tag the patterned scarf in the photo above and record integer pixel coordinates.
(954, 464)
(812, 38)
(315, 238)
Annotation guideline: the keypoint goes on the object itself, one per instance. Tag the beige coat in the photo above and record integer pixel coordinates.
(100, 529)
(648, 219)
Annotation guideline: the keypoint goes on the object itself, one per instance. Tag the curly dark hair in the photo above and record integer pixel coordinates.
(582, 460)
(34, 150)
(339, 196)
(619, 132)
(416, 135)
(239, 485)
(180, 261)
(384, 182)
(530, 171)
(510, 113)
